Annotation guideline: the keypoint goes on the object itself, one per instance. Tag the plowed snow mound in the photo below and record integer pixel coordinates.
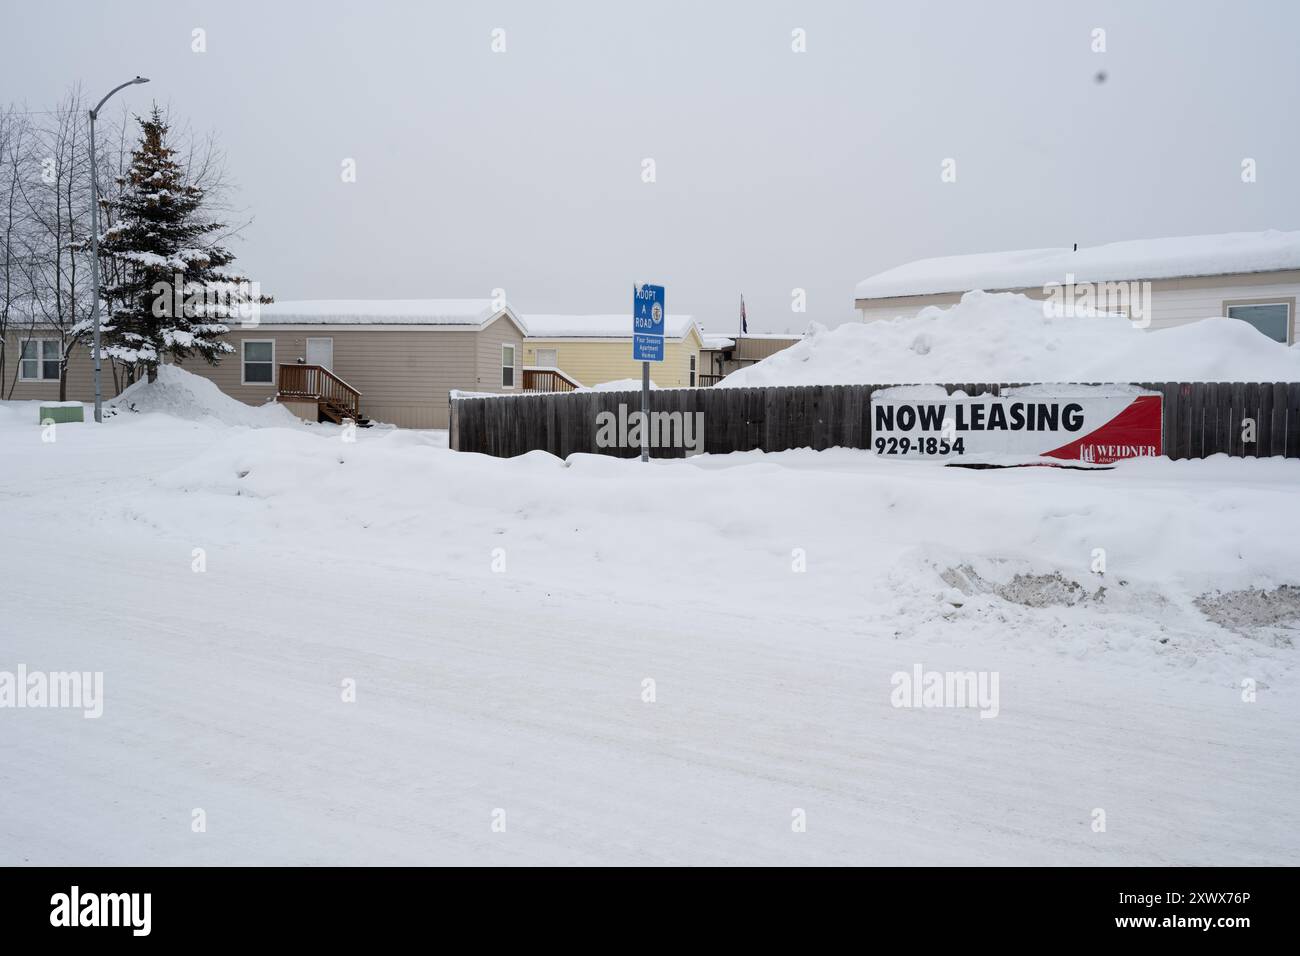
(183, 394)
(1030, 590)
(1004, 337)
(1269, 616)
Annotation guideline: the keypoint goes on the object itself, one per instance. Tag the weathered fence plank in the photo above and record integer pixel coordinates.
(1293, 420)
(1279, 418)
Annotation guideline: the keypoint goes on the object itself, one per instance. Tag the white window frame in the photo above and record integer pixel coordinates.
(243, 363)
(695, 369)
(537, 358)
(514, 357)
(40, 360)
(1288, 301)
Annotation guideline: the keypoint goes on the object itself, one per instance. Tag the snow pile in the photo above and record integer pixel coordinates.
(184, 395)
(1166, 526)
(1005, 337)
(617, 385)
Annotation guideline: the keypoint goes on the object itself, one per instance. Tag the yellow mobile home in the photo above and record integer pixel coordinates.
(594, 349)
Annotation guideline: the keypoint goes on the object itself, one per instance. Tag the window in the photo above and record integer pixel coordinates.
(507, 366)
(694, 359)
(1271, 318)
(259, 362)
(548, 358)
(39, 360)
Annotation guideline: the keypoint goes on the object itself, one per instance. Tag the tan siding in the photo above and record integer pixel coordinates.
(488, 376)
(755, 350)
(81, 374)
(403, 375)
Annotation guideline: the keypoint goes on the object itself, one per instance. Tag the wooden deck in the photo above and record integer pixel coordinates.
(547, 380)
(335, 399)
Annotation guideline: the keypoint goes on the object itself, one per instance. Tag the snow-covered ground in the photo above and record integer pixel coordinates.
(500, 619)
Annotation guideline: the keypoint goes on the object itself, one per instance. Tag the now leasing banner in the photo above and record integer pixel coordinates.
(1094, 424)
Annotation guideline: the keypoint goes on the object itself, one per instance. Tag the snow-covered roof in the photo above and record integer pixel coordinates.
(597, 326)
(1225, 254)
(717, 341)
(466, 312)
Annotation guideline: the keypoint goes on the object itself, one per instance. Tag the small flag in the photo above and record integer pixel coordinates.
(744, 322)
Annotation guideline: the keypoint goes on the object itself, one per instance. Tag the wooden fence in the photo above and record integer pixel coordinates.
(1200, 418)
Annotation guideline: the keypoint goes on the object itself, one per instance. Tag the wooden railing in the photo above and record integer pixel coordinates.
(313, 383)
(706, 380)
(547, 380)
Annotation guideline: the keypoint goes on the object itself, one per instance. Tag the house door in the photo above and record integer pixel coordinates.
(321, 352)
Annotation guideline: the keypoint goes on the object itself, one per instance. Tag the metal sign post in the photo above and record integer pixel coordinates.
(647, 346)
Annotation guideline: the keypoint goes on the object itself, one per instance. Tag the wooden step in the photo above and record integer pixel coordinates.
(337, 413)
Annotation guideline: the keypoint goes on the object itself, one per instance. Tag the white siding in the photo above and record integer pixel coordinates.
(1173, 301)
(1179, 301)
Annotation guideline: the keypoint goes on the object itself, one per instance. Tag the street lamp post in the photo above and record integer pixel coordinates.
(94, 241)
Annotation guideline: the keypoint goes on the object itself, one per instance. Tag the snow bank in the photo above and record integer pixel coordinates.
(1165, 526)
(1004, 337)
(184, 395)
(618, 385)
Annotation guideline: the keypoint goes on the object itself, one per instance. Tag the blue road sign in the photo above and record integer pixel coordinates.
(647, 348)
(648, 323)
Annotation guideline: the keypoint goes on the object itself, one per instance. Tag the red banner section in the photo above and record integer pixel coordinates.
(1133, 433)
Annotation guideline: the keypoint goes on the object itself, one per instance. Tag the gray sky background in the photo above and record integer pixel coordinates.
(776, 170)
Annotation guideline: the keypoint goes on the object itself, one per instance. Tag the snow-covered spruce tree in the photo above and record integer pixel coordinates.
(172, 295)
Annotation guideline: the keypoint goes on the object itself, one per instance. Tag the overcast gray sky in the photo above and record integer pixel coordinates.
(775, 170)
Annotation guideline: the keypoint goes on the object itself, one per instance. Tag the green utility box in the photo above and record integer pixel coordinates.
(62, 412)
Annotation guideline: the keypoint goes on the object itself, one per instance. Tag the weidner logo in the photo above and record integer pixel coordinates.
(1115, 452)
(102, 909)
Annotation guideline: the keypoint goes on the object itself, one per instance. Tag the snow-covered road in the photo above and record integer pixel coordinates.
(521, 690)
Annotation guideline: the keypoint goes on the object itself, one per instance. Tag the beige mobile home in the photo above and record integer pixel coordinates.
(723, 355)
(593, 349)
(388, 360)
(1252, 276)
(402, 355)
